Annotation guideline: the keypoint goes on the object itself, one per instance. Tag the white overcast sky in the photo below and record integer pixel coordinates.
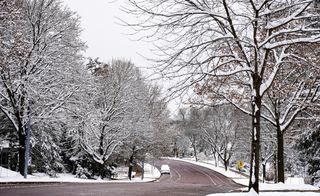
(104, 37)
(107, 39)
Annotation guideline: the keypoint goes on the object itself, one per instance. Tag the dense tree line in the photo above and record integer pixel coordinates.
(83, 115)
(89, 116)
(220, 134)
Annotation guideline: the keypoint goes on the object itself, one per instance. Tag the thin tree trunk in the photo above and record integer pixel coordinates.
(142, 170)
(101, 145)
(175, 149)
(263, 172)
(275, 168)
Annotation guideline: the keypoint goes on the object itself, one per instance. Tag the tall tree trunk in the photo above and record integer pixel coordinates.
(275, 168)
(226, 165)
(102, 171)
(280, 145)
(263, 172)
(195, 151)
(255, 155)
(225, 161)
(101, 146)
(131, 163)
(256, 128)
(21, 150)
(175, 149)
(280, 155)
(142, 170)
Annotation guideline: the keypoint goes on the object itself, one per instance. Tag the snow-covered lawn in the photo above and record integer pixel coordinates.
(253, 193)
(8, 176)
(292, 184)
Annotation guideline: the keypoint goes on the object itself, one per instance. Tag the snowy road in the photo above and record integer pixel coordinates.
(185, 179)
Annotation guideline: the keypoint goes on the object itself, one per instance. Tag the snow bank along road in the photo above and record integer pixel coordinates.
(185, 179)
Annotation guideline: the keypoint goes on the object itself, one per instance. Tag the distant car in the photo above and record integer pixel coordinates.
(165, 169)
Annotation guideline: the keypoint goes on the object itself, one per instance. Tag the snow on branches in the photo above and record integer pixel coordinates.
(40, 48)
(230, 50)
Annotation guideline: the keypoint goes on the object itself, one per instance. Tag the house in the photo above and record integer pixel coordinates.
(4, 153)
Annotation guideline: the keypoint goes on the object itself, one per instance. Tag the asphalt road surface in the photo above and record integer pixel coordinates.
(185, 179)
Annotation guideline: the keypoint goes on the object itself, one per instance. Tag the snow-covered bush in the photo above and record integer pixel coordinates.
(83, 173)
(45, 153)
(308, 146)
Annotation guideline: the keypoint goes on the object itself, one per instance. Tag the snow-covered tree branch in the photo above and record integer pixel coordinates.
(229, 48)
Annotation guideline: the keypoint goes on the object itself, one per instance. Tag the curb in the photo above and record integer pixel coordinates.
(15, 183)
(8, 184)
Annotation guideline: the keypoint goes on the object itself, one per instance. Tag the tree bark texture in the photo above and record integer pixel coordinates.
(195, 149)
(263, 172)
(275, 168)
(225, 160)
(21, 150)
(256, 129)
(280, 155)
(131, 163)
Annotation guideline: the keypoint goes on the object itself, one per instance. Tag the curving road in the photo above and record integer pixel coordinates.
(185, 179)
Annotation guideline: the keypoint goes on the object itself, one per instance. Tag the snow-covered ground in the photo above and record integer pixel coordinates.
(292, 184)
(253, 193)
(8, 176)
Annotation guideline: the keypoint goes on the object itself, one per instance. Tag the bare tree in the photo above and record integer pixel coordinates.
(188, 125)
(268, 148)
(221, 129)
(239, 46)
(294, 90)
(192, 129)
